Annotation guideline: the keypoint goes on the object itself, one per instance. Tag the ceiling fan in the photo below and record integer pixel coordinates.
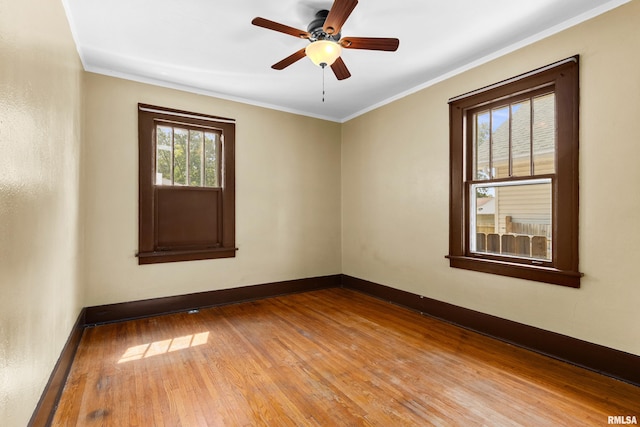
(326, 41)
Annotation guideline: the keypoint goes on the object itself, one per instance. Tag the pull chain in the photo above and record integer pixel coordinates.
(323, 67)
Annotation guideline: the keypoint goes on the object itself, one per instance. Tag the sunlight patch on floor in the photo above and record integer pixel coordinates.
(165, 346)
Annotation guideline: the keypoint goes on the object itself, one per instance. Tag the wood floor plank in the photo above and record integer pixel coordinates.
(327, 357)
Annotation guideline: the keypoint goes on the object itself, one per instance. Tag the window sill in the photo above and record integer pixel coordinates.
(185, 255)
(520, 271)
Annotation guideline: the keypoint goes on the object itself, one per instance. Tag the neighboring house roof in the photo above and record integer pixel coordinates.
(543, 132)
(485, 206)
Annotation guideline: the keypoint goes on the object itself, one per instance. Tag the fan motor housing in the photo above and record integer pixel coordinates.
(317, 32)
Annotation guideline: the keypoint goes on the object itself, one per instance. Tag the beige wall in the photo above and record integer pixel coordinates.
(395, 191)
(287, 196)
(40, 294)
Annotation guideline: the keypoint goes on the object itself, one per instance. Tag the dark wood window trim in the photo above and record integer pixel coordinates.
(149, 251)
(563, 269)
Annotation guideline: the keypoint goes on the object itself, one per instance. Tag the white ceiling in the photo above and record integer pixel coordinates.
(210, 46)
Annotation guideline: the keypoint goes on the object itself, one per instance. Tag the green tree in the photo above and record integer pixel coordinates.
(212, 144)
(195, 158)
(180, 138)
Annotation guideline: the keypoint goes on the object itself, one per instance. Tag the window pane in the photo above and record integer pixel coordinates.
(500, 142)
(544, 134)
(513, 220)
(521, 138)
(481, 146)
(164, 135)
(195, 158)
(211, 153)
(180, 156)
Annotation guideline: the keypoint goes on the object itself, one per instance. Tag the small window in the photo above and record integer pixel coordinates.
(187, 186)
(514, 177)
(188, 156)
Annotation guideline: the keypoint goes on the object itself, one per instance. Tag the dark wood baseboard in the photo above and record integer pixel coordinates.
(43, 414)
(598, 358)
(158, 306)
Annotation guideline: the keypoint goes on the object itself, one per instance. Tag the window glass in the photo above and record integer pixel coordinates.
(195, 158)
(507, 216)
(544, 134)
(521, 138)
(164, 155)
(180, 137)
(188, 157)
(500, 134)
(512, 219)
(211, 150)
(482, 146)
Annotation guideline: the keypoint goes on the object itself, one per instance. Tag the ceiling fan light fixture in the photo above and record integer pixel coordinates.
(323, 52)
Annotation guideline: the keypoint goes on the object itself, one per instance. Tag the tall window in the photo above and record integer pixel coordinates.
(186, 186)
(514, 177)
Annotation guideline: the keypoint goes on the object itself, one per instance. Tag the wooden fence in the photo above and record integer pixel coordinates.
(528, 228)
(512, 244)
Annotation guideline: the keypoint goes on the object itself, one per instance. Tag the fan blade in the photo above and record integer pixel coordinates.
(271, 25)
(338, 14)
(289, 60)
(340, 69)
(370, 43)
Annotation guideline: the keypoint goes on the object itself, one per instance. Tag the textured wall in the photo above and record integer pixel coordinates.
(40, 296)
(287, 196)
(395, 186)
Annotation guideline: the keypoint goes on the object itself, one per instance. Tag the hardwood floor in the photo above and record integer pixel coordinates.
(332, 357)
